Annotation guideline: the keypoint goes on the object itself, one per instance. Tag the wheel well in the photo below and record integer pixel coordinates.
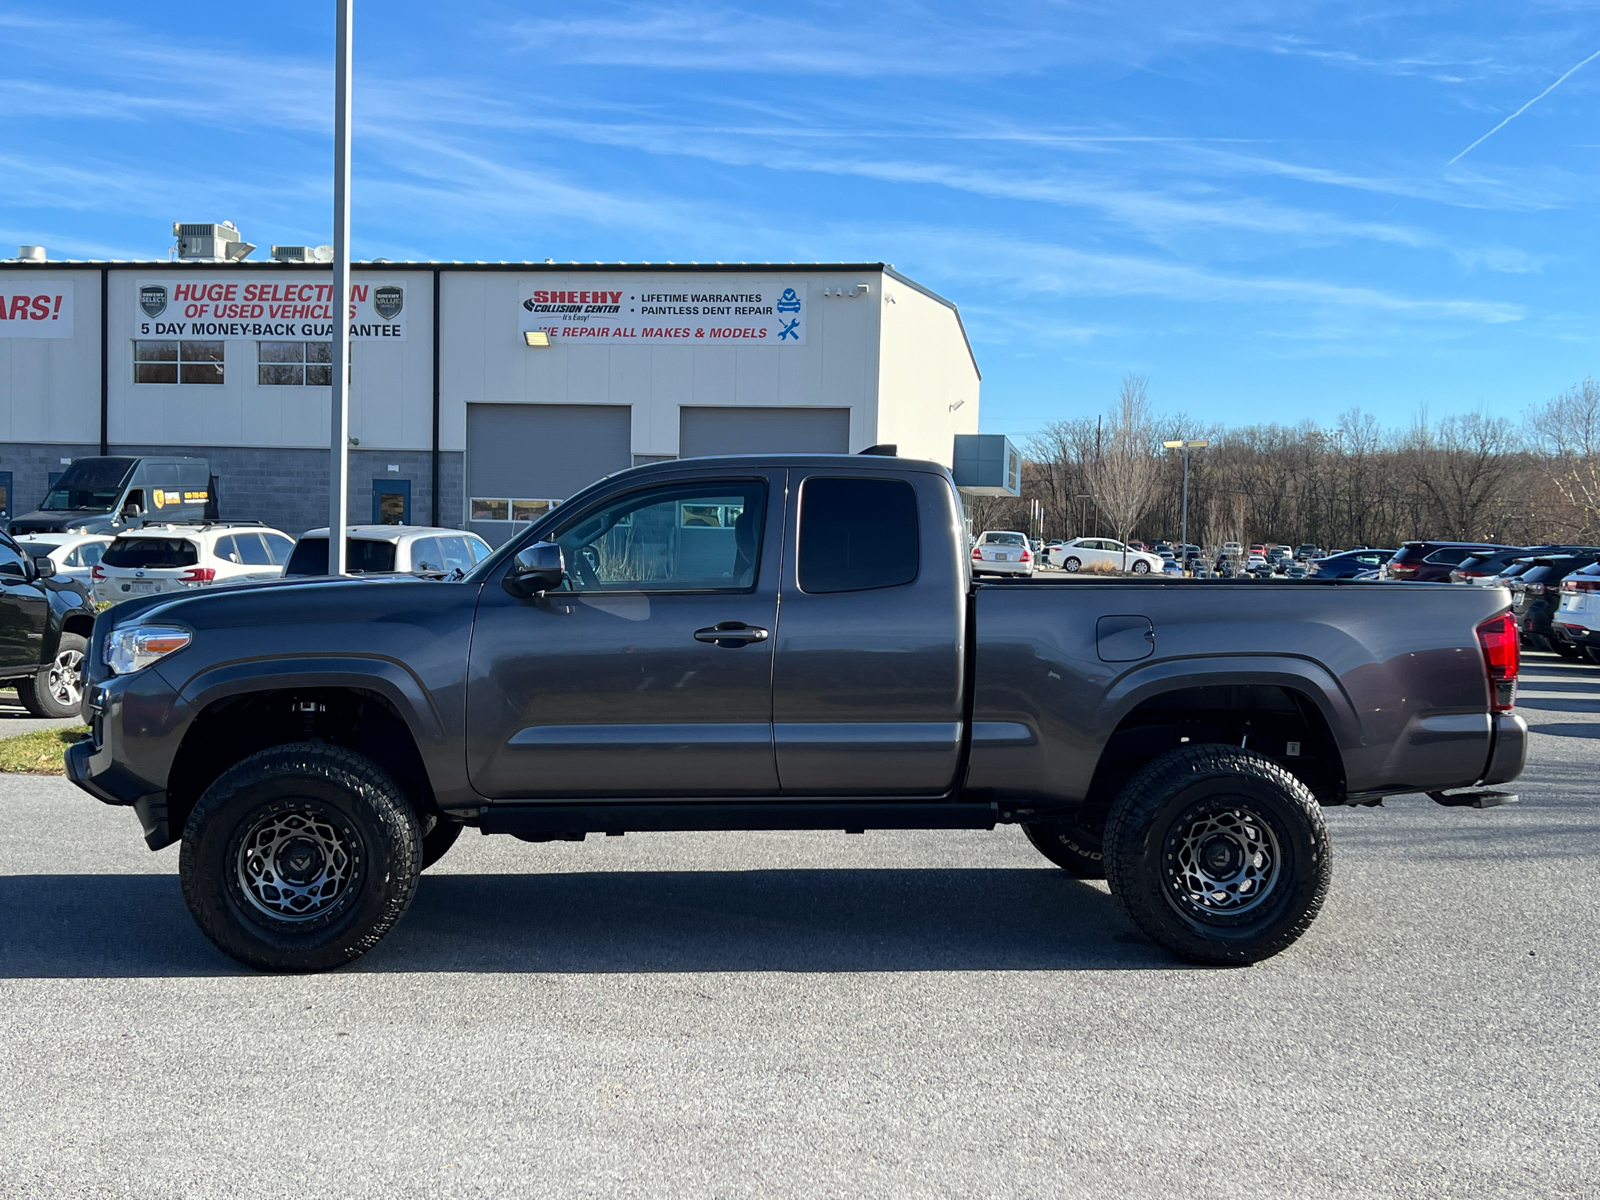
(1268, 719)
(232, 729)
(78, 623)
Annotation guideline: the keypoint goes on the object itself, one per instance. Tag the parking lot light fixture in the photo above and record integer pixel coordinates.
(1185, 447)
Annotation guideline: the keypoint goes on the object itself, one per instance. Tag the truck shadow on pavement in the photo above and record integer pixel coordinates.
(95, 926)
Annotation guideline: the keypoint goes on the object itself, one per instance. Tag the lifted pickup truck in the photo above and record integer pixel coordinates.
(783, 643)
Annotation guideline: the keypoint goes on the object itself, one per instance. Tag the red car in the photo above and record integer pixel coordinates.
(1432, 562)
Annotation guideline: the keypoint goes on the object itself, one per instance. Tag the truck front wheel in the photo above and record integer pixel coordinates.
(1219, 855)
(300, 858)
(57, 690)
(1075, 845)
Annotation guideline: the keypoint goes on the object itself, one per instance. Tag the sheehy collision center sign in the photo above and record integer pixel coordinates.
(286, 307)
(699, 309)
(31, 307)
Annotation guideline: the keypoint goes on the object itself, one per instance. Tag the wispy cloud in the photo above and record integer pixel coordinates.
(1047, 269)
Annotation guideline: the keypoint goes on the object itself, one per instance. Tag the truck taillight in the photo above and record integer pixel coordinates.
(97, 572)
(1498, 637)
(198, 575)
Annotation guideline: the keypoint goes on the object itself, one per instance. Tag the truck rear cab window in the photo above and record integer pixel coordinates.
(857, 534)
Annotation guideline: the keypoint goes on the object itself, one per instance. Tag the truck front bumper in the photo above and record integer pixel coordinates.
(102, 764)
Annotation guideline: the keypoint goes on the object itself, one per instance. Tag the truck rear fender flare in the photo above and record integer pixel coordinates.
(1303, 675)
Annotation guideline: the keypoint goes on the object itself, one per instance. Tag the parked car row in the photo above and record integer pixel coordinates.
(177, 556)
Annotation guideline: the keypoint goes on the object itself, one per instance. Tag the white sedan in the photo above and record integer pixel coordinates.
(1002, 552)
(1101, 553)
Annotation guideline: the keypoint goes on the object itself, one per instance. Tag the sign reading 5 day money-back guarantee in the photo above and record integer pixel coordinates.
(692, 309)
(278, 308)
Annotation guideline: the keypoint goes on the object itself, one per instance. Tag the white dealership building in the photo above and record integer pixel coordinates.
(480, 392)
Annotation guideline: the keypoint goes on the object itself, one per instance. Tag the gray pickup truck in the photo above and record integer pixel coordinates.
(788, 642)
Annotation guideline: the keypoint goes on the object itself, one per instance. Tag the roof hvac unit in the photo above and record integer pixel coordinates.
(210, 243)
(302, 254)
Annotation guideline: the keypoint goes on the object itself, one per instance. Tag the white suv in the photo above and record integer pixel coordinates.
(379, 549)
(172, 558)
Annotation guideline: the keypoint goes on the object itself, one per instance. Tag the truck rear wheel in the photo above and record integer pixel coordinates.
(1219, 855)
(57, 689)
(1074, 845)
(300, 858)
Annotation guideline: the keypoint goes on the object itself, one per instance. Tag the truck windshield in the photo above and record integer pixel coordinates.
(90, 485)
(145, 552)
(362, 557)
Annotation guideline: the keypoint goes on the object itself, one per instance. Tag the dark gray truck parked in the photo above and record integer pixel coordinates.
(783, 643)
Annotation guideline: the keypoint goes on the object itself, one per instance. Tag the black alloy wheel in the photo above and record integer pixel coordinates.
(56, 691)
(1219, 855)
(300, 858)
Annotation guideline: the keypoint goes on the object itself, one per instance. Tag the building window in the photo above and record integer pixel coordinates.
(497, 509)
(177, 362)
(294, 364)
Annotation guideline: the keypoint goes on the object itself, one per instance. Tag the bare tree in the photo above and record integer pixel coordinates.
(1567, 428)
(1462, 467)
(1126, 471)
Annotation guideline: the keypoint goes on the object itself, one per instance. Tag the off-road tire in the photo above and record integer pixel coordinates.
(40, 693)
(1074, 846)
(1155, 828)
(353, 804)
(438, 840)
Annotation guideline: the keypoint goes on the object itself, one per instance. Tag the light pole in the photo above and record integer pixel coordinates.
(1185, 447)
(339, 429)
(1081, 518)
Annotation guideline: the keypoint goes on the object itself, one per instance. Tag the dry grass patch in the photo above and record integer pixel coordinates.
(39, 752)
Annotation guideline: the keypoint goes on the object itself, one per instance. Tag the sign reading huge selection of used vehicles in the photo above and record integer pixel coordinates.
(760, 311)
(275, 308)
(35, 308)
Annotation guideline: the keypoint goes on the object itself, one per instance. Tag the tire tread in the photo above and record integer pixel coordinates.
(1134, 811)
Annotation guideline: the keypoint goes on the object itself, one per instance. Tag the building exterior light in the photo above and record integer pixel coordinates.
(536, 337)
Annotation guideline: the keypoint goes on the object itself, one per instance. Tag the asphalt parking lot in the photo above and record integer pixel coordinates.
(939, 1014)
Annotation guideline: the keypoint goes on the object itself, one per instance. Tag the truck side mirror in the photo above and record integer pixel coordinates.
(44, 567)
(132, 512)
(536, 569)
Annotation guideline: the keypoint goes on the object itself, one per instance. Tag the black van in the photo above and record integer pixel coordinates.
(110, 494)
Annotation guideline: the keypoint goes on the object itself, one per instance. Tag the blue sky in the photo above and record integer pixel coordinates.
(1259, 206)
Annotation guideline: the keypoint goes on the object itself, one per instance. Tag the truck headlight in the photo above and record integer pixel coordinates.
(136, 647)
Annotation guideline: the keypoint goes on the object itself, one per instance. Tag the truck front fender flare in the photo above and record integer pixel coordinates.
(387, 677)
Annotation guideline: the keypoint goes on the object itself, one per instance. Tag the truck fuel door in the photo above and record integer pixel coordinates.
(1125, 637)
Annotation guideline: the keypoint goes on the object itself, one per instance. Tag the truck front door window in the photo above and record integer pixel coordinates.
(668, 540)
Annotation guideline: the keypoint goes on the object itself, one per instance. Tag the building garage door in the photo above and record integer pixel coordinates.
(521, 458)
(763, 431)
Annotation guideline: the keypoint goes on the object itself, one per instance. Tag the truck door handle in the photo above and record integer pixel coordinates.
(732, 633)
